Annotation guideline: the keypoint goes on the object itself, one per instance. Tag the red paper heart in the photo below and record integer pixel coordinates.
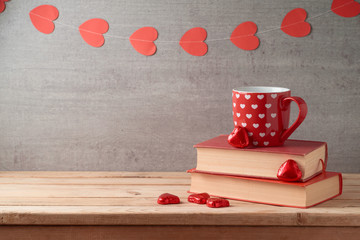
(289, 171)
(238, 137)
(193, 41)
(2, 5)
(42, 18)
(345, 8)
(143, 40)
(243, 36)
(217, 203)
(92, 31)
(199, 198)
(294, 23)
(167, 198)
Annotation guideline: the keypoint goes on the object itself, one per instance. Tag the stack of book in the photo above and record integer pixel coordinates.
(251, 174)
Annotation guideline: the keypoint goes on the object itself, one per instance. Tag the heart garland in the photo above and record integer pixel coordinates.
(294, 23)
(193, 41)
(2, 5)
(42, 18)
(345, 8)
(244, 36)
(92, 31)
(143, 40)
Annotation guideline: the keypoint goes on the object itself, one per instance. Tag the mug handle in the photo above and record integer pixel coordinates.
(301, 117)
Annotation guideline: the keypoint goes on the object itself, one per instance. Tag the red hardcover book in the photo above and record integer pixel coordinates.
(218, 156)
(274, 192)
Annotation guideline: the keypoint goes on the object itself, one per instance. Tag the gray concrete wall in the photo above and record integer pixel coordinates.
(65, 105)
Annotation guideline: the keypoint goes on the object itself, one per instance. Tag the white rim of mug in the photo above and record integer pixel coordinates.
(261, 89)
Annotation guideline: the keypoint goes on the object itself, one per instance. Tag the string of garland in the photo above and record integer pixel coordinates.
(244, 36)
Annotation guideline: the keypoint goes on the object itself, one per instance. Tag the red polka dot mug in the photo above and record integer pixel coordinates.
(264, 113)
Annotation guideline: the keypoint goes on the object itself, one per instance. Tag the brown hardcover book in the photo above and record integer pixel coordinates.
(218, 156)
(291, 194)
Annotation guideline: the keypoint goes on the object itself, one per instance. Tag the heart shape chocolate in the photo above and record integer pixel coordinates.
(238, 137)
(92, 31)
(193, 41)
(167, 198)
(289, 171)
(42, 18)
(243, 36)
(199, 198)
(294, 23)
(217, 203)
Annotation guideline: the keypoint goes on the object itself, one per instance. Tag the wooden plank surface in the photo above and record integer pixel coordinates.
(124, 198)
(176, 232)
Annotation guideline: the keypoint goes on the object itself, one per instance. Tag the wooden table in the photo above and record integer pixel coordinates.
(122, 205)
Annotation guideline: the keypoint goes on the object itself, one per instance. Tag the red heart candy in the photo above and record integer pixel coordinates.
(42, 18)
(92, 31)
(199, 198)
(217, 203)
(238, 137)
(345, 8)
(289, 171)
(243, 36)
(193, 41)
(167, 198)
(294, 23)
(143, 40)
